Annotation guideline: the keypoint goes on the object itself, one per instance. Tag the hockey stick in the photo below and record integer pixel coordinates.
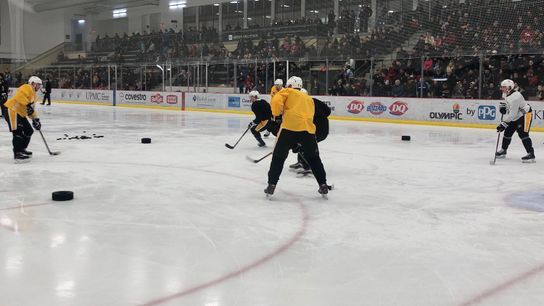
(258, 160)
(497, 146)
(232, 147)
(50, 153)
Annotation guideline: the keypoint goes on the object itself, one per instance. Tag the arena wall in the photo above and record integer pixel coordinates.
(444, 112)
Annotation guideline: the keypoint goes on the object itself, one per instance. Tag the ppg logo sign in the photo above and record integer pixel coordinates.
(487, 112)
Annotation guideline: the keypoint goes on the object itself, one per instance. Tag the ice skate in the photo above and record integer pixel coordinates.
(269, 191)
(21, 158)
(296, 165)
(528, 159)
(500, 154)
(27, 153)
(323, 190)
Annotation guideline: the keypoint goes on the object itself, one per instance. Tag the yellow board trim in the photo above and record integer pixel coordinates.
(340, 118)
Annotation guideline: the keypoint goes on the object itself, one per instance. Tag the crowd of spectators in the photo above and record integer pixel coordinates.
(445, 62)
(509, 36)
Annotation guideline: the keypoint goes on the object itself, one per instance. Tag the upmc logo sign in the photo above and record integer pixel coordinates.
(398, 108)
(487, 112)
(356, 107)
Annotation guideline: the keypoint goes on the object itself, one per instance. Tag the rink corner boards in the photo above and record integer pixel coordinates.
(341, 118)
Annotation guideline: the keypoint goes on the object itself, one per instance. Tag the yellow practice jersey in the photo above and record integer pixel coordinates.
(297, 109)
(24, 96)
(273, 91)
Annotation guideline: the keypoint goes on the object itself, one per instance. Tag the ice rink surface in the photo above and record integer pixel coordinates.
(184, 220)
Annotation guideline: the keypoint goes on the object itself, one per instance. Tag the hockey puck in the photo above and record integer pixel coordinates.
(63, 195)
(405, 138)
(146, 140)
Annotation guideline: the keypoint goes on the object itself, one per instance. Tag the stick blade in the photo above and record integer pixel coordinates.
(492, 162)
(55, 153)
(229, 146)
(251, 159)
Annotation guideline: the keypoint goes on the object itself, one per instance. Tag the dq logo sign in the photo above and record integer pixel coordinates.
(376, 108)
(398, 108)
(157, 98)
(356, 107)
(487, 112)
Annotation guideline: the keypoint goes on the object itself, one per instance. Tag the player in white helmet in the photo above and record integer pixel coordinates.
(297, 127)
(16, 110)
(263, 116)
(517, 116)
(278, 85)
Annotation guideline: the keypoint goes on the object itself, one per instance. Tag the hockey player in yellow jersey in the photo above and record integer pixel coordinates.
(278, 85)
(16, 110)
(297, 127)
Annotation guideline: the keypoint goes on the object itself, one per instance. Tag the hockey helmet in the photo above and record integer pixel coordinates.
(34, 79)
(294, 82)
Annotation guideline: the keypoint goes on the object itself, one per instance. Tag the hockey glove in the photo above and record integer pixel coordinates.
(501, 127)
(502, 108)
(30, 110)
(36, 124)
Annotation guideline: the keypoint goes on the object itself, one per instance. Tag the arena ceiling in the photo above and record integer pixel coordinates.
(97, 6)
(89, 5)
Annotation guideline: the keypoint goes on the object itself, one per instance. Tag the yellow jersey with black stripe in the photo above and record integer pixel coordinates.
(24, 96)
(297, 109)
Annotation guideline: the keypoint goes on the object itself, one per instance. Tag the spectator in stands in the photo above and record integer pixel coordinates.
(540, 93)
(397, 90)
(364, 17)
(47, 92)
(241, 82)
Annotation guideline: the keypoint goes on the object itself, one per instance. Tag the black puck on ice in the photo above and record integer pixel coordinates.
(63, 195)
(146, 140)
(405, 138)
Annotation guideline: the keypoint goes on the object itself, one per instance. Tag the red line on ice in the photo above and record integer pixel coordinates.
(282, 248)
(25, 206)
(503, 286)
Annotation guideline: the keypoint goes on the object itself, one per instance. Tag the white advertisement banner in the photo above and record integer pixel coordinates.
(149, 98)
(239, 102)
(432, 110)
(82, 95)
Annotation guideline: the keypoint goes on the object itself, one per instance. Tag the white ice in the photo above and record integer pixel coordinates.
(184, 220)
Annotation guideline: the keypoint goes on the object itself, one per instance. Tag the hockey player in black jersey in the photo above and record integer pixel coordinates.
(321, 121)
(263, 116)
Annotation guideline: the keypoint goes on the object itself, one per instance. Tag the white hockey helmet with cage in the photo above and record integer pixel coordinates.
(254, 93)
(508, 84)
(34, 79)
(278, 82)
(294, 82)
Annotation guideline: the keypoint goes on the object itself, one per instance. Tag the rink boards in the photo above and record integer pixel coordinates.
(447, 112)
